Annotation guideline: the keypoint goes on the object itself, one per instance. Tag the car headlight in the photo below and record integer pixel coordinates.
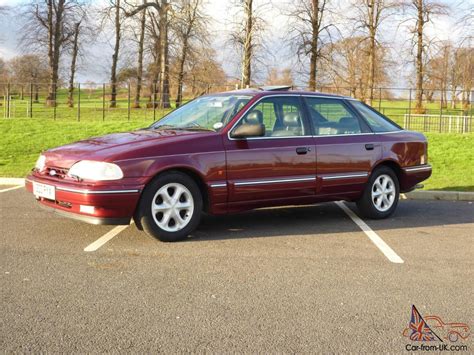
(40, 163)
(95, 170)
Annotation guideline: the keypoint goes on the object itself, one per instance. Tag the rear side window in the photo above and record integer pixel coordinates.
(376, 121)
(331, 117)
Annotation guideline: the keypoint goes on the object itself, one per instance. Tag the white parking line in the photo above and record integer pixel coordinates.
(104, 239)
(374, 237)
(11, 188)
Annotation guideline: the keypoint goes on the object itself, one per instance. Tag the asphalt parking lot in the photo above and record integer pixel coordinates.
(300, 279)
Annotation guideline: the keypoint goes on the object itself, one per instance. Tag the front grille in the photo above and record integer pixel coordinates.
(54, 172)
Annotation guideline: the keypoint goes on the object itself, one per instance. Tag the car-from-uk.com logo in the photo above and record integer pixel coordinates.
(431, 333)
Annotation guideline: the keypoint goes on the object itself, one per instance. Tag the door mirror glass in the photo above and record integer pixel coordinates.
(246, 130)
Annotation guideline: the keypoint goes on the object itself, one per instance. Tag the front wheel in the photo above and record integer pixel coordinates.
(170, 207)
(380, 197)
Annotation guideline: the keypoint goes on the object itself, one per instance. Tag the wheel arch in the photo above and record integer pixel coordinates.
(397, 169)
(192, 173)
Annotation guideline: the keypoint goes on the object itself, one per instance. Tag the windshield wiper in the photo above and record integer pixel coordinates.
(165, 126)
(196, 128)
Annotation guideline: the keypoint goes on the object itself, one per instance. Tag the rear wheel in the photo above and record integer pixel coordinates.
(170, 207)
(380, 197)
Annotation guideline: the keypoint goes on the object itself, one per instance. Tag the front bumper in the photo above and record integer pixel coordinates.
(104, 204)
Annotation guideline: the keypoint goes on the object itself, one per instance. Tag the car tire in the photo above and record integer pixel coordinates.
(170, 207)
(453, 337)
(380, 197)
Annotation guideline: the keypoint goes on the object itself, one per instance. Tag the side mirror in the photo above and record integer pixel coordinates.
(246, 130)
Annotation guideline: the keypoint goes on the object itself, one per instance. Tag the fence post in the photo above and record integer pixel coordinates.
(54, 100)
(78, 102)
(103, 102)
(154, 102)
(409, 110)
(128, 107)
(470, 110)
(8, 101)
(440, 113)
(30, 114)
(380, 98)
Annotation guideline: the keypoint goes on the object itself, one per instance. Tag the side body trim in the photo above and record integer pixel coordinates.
(345, 176)
(219, 185)
(92, 192)
(275, 181)
(417, 168)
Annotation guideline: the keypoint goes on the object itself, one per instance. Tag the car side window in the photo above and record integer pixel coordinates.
(331, 117)
(377, 122)
(282, 116)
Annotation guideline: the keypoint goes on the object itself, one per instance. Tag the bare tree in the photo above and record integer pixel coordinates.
(247, 43)
(117, 21)
(246, 36)
(424, 11)
(463, 73)
(276, 77)
(141, 42)
(307, 26)
(189, 26)
(47, 23)
(205, 72)
(3, 13)
(438, 76)
(348, 68)
(29, 69)
(75, 50)
(369, 16)
(163, 8)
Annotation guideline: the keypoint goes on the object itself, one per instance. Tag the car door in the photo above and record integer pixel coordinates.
(279, 165)
(346, 148)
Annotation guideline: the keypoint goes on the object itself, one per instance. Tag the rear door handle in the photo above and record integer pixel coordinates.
(302, 150)
(369, 147)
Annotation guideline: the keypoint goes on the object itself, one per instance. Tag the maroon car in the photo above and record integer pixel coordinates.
(234, 151)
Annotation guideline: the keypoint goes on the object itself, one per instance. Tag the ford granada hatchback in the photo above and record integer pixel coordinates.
(235, 151)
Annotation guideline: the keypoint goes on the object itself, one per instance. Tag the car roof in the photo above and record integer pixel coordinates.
(259, 92)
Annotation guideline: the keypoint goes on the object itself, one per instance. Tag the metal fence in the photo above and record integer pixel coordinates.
(442, 111)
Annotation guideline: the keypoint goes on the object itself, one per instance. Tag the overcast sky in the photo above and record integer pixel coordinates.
(276, 54)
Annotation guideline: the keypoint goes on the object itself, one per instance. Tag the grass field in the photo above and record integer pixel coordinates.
(452, 155)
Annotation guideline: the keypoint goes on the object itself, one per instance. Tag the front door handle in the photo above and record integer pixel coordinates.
(369, 147)
(302, 150)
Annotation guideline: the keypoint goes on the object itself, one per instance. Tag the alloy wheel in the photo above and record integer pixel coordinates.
(172, 207)
(383, 193)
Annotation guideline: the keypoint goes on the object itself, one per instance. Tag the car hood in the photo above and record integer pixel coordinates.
(111, 146)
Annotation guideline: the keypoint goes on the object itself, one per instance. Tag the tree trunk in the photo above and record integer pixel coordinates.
(247, 50)
(55, 39)
(36, 100)
(75, 48)
(419, 59)
(113, 76)
(164, 101)
(313, 60)
(49, 98)
(372, 32)
(372, 49)
(141, 41)
(182, 60)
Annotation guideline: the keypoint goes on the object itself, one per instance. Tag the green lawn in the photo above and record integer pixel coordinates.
(452, 155)
(452, 158)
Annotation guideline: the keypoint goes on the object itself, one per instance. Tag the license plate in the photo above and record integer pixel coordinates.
(43, 190)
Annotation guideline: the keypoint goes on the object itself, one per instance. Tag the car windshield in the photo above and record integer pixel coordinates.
(209, 113)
